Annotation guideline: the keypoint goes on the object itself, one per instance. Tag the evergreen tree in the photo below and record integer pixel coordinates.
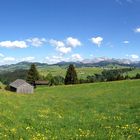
(71, 75)
(32, 75)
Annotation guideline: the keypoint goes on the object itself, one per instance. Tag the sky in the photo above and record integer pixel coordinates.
(51, 31)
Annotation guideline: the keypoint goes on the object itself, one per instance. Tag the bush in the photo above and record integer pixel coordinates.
(113, 75)
(58, 80)
(137, 76)
(7, 87)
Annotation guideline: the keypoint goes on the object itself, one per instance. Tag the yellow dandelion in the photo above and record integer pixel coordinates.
(13, 130)
(27, 127)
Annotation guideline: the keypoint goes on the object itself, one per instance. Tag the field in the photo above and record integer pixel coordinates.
(82, 72)
(100, 111)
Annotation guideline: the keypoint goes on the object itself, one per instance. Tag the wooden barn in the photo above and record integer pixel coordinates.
(21, 86)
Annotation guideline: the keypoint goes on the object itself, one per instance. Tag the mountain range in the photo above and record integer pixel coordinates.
(96, 62)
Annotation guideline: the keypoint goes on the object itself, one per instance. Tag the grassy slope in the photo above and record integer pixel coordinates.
(89, 111)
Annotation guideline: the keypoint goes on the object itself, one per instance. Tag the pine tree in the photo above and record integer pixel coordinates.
(71, 75)
(32, 75)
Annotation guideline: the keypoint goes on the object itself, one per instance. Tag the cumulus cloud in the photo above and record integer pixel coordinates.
(97, 40)
(134, 56)
(55, 59)
(66, 45)
(1, 55)
(137, 30)
(60, 46)
(9, 59)
(56, 43)
(126, 42)
(29, 58)
(73, 42)
(76, 57)
(59, 58)
(64, 50)
(36, 42)
(13, 44)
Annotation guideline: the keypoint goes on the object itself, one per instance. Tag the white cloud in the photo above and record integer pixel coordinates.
(126, 42)
(29, 58)
(60, 46)
(9, 59)
(52, 60)
(36, 42)
(55, 59)
(13, 44)
(66, 45)
(1, 55)
(73, 42)
(64, 50)
(137, 30)
(97, 40)
(56, 43)
(134, 56)
(76, 57)
(59, 58)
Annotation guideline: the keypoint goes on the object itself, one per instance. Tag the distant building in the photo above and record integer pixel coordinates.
(21, 86)
(41, 82)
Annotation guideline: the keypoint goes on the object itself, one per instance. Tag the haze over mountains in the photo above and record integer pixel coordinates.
(96, 62)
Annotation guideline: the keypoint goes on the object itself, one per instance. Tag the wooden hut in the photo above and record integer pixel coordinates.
(21, 86)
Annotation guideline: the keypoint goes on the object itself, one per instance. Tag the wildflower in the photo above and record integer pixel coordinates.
(27, 127)
(13, 130)
(59, 116)
(129, 136)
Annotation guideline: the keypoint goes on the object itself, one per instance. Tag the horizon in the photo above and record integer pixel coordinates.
(84, 61)
(49, 31)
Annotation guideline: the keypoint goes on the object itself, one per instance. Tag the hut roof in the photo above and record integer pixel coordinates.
(18, 83)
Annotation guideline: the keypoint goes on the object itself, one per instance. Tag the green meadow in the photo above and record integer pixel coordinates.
(82, 72)
(98, 111)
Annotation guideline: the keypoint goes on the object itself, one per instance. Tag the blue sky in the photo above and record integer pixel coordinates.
(68, 30)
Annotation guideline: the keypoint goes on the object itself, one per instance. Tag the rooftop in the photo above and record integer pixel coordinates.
(18, 83)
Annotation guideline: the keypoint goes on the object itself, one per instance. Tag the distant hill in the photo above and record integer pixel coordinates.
(21, 65)
(97, 62)
(8, 77)
(102, 62)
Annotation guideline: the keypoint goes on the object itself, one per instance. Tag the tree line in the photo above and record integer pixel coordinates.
(72, 78)
(32, 75)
